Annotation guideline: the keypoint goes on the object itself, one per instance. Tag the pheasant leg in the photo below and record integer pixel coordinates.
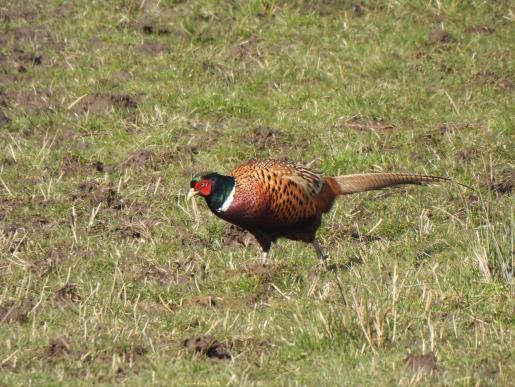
(322, 258)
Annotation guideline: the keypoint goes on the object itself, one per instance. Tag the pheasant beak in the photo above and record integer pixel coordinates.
(192, 192)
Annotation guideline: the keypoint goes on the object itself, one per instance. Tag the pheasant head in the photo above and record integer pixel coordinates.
(215, 188)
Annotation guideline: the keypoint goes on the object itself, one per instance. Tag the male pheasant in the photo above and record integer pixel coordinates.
(276, 199)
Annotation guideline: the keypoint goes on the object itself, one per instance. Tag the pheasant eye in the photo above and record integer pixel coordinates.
(204, 187)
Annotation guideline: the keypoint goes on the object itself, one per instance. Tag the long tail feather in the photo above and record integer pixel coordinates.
(370, 181)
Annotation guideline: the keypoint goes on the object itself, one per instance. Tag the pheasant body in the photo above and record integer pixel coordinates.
(276, 199)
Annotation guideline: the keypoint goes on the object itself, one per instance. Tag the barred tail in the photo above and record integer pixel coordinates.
(349, 184)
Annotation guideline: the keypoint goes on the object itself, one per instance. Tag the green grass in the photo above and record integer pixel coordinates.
(108, 109)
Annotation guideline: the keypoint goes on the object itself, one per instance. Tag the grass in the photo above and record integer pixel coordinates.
(108, 109)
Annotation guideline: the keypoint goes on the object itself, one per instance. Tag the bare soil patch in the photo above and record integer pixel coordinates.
(153, 47)
(15, 312)
(139, 159)
(97, 193)
(265, 272)
(67, 294)
(502, 81)
(481, 29)
(100, 103)
(236, 236)
(264, 137)
(206, 301)
(73, 165)
(150, 29)
(4, 119)
(207, 346)
(247, 49)
(50, 262)
(57, 347)
(439, 36)
(260, 295)
(501, 183)
(130, 353)
(33, 101)
(186, 238)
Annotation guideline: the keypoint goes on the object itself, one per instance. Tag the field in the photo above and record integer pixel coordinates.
(108, 275)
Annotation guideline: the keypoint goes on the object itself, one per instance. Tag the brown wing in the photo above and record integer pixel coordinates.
(285, 193)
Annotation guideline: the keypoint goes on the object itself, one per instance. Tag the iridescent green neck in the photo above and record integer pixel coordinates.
(222, 188)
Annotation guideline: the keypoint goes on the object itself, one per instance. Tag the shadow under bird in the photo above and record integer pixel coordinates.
(274, 199)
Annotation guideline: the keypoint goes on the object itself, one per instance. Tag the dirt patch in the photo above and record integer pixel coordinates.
(99, 103)
(502, 183)
(52, 261)
(131, 353)
(153, 47)
(16, 237)
(30, 58)
(19, 61)
(248, 48)
(96, 194)
(260, 295)
(236, 236)
(7, 206)
(265, 272)
(34, 35)
(132, 231)
(33, 101)
(67, 295)
(148, 25)
(150, 29)
(4, 119)
(489, 77)
(467, 155)
(264, 137)
(207, 346)
(439, 36)
(362, 238)
(481, 29)
(207, 301)
(363, 124)
(13, 312)
(156, 274)
(21, 12)
(73, 165)
(138, 159)
(425, 362)
(186, 238)
(58, 347)
(360, 9)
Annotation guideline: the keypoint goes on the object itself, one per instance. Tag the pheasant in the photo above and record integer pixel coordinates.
(274, 199)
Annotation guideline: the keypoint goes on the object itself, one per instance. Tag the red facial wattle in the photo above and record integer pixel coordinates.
(203, 187)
